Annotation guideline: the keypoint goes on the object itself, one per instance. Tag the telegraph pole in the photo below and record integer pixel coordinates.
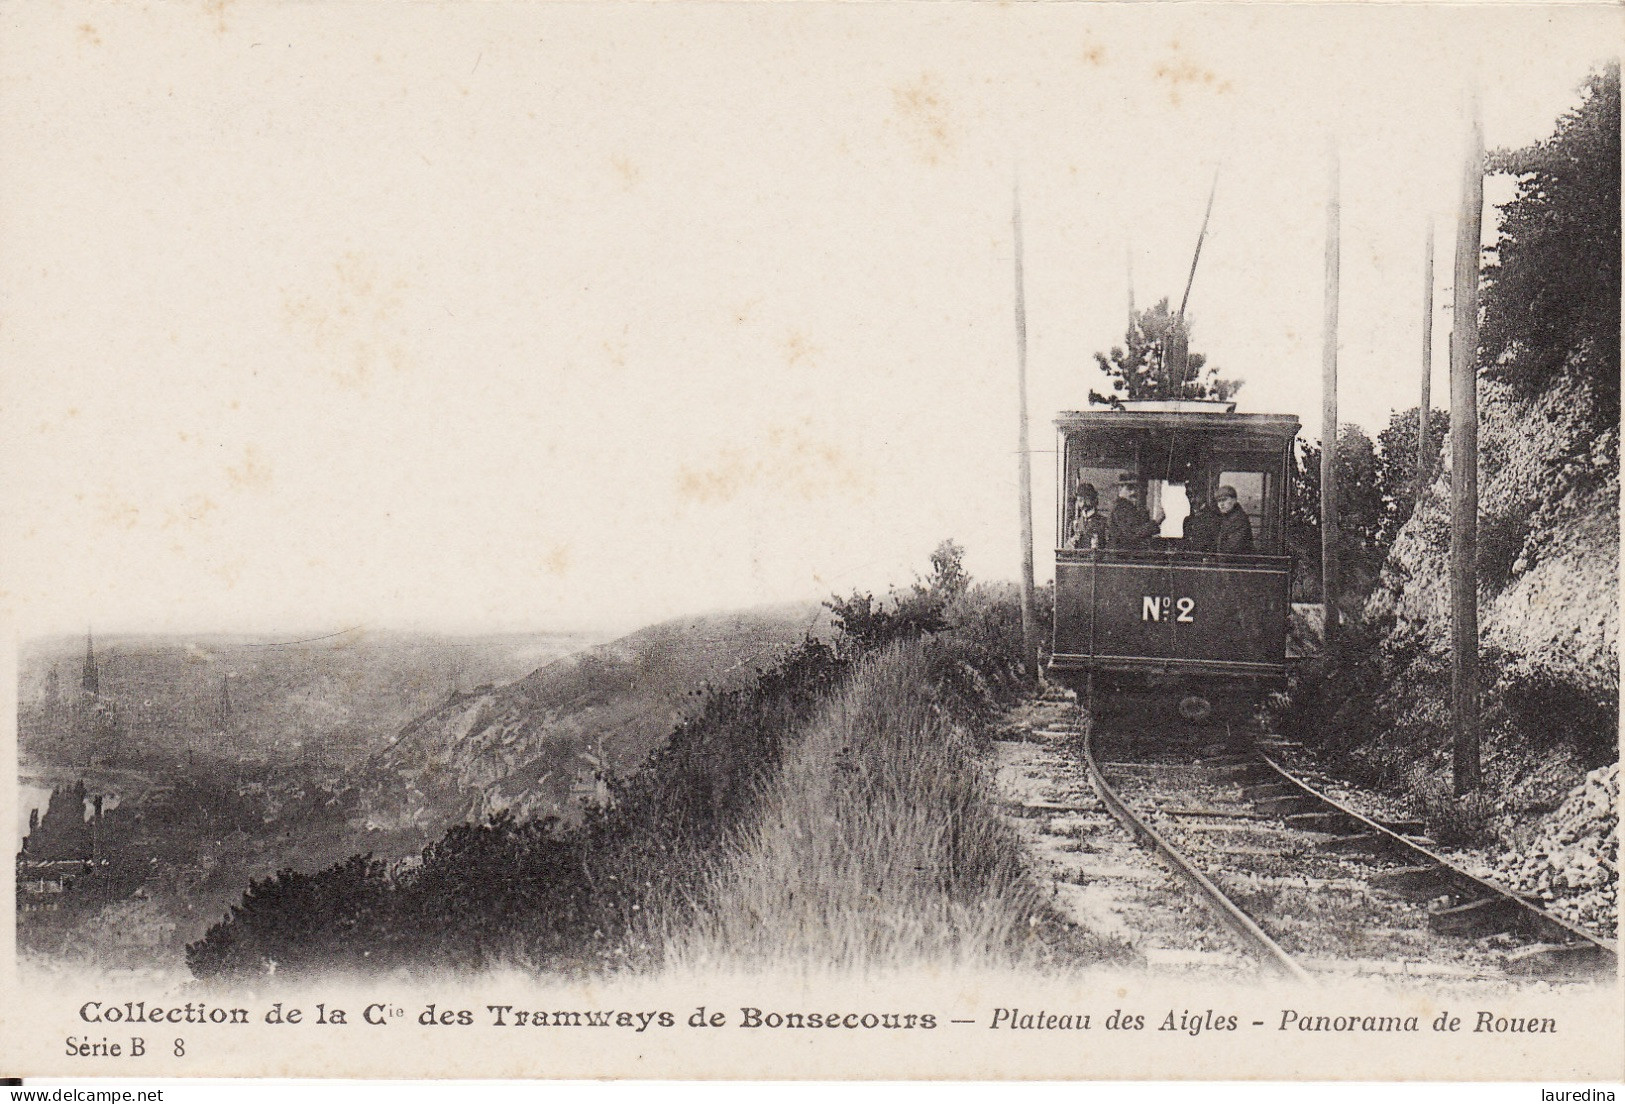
(1328, 419)
(1128, 258)
(1029, 619)
(1424, 464)
(1464, 469)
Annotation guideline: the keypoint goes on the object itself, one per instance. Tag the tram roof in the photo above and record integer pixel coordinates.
(1281, 426)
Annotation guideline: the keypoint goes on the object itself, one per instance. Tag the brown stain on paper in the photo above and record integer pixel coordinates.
(627, 170)
(115, 512)
(193, 511)
(557, 560)
(1182, 74)
(253, 474)
(786, 461)
(922, 111)
(799, 350)
(217, 9)
(350, 324)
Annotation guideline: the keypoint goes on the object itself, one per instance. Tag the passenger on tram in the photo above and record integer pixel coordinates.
(1201, 532)
(1235, 527)
(1089, 526)
(1131, 527)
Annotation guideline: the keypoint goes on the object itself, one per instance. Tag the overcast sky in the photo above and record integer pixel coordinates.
(528, 316)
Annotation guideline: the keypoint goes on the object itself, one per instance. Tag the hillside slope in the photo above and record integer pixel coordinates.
(535, 746)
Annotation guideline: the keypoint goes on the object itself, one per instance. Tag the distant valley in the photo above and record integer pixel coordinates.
(162, 774)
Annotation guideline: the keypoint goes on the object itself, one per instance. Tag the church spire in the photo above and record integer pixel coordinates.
(90, 682)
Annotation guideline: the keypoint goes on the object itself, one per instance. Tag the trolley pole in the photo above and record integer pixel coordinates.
(1464, 469)
(1424, 460)
(1029, 619)
(1328, 419)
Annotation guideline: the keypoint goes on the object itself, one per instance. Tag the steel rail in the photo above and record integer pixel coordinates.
(1527, 919)
(1253, 937)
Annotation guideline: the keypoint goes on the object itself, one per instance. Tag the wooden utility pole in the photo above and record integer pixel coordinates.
(1328, 421)
(1029, 618)
(1464, 469)
(1128, 256)
(1424, 408)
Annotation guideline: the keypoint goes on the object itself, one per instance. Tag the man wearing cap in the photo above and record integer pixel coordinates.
(1089, 528)
(1130, 525)
(1235, 528)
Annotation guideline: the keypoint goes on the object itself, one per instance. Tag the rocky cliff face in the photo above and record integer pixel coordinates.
(1549, 623)
(535, 746)
(1549, 583)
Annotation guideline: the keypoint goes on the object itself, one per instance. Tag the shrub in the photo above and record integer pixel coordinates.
(864, 623)
(1454, 820)
(298, 923)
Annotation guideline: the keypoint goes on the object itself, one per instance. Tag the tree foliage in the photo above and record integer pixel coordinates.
(1138, 369)
(1552, 288)
(1359, 502)
(1396, 467)
(867, 623)
(1376, 484)
(301, 923)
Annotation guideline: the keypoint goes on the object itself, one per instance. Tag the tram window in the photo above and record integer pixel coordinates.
(1169, 497)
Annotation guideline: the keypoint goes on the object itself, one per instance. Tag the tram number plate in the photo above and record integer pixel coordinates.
(1164, 608)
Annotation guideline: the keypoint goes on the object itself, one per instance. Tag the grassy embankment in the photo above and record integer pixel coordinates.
(875, 846)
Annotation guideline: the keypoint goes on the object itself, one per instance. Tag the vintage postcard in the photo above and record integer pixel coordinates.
(810, 540)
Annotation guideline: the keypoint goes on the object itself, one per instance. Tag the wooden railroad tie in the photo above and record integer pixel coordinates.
(1553, 958)
(1485, 916)
(1237, 849)
(1268, 789)
(1036, 807)
(1208, 811)
(1287, 803)
(1403, 826)
(1359, 841)
(1412, 881)
(1229, 759)
(1154, 767)
(1317, 822)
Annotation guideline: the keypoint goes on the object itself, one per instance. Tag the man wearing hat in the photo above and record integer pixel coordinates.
(1131, 526)
(1235, 528)
(1089, 529)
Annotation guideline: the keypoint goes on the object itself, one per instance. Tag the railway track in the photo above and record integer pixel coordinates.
(1308, 886)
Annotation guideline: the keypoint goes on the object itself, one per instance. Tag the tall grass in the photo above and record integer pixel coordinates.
(876, 847)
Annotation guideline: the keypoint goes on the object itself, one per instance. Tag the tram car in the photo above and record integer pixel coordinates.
(1172, 579)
